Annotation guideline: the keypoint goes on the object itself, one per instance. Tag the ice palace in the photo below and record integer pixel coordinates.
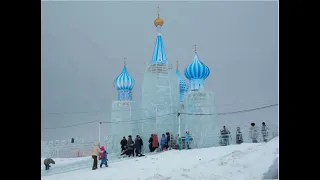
(169, 103)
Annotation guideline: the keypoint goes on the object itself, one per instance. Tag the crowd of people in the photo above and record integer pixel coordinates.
(130, 147)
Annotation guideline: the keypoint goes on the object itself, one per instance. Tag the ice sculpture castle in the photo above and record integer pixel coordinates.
(165, 93)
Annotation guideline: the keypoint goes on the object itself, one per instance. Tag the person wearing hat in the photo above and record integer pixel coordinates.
(264, 132)
(253, 133)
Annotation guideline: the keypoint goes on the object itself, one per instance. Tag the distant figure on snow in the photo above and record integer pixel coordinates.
(138, 145)
(130, 146)
(150, 143)
(103, 157)
(155, 142)
(168, 140)
(95, 153)
(225, 135)
(123, 143)
(188, 139)
(253, 133)
(239, 138)
(264, 132)
(47, 163)
(163, 142)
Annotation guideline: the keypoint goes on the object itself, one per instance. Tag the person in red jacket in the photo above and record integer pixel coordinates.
(155, 142)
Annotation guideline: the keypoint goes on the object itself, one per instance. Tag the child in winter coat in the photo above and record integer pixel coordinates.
(163, 141)
(47, 163)
(103, 157)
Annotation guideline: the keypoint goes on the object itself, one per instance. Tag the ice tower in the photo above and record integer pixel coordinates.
(160, 92)
(183, 85)
(199, 105)
(124, 114)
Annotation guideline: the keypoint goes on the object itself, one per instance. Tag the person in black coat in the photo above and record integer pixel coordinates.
(150, 143)
(168, 143)
(123, 144)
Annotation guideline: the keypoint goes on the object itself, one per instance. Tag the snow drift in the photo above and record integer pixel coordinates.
(238, 162)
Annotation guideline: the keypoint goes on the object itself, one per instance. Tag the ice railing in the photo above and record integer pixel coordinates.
(215, 139)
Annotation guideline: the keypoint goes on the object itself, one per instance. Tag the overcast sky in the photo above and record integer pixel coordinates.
(84, 43)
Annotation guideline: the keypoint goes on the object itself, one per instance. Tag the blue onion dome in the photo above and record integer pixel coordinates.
(197, 70)
(124, 81)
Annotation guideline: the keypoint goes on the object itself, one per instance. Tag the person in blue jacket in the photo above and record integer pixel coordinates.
(188, 139)
(103, 159)
(163, 141)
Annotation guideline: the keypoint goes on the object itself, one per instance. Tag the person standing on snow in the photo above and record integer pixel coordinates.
(155, 142)
(130, 146)
(123, 143)
(150, 143)
(103, 157)
(95, 154)
(264, 132)
(188, 139)
(47, 163)
(225, 134)
(137, 144)
(253, 133)
(163, 141)
(168, 140)
(239, 138)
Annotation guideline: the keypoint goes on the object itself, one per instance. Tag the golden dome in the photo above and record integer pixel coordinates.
(158, 21)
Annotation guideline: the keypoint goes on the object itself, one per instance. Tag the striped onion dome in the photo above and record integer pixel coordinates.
(197, 70)
(124, 81)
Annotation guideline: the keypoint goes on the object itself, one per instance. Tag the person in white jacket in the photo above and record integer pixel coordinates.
(95, 155)
(253, 133)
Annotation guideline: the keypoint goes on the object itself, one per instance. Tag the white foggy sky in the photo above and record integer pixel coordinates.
(84, 43)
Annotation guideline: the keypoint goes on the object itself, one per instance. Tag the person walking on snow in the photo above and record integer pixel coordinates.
(163, 141)
(103, 157)
(47, 163)
(95, 153)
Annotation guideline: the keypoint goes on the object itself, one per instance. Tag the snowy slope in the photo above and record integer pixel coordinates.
(238, 162)
(64, 161)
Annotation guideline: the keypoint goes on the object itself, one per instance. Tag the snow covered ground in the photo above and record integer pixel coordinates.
(236, 162)
(64, 161)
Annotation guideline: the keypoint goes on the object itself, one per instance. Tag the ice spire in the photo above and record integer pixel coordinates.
(159, 54)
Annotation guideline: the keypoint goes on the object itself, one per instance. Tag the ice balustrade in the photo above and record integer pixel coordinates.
(82, 147)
